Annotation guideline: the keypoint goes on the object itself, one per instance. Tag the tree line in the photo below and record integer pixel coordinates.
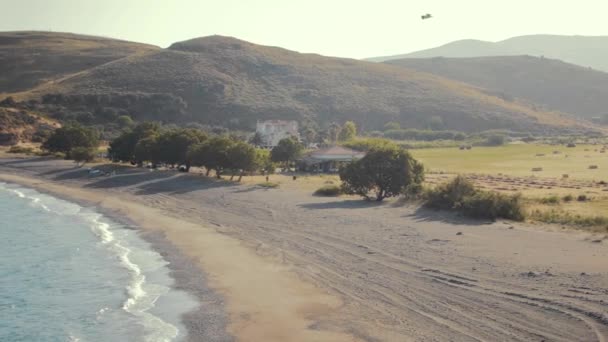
(149, 142)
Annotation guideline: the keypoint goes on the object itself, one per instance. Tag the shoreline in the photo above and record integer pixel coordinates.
(218, 317)
(185, 274)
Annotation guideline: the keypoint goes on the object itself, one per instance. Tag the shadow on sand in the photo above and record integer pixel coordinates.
(182, 183)
(129, 179)
(428, 215)
(345, 204)
(26, 160)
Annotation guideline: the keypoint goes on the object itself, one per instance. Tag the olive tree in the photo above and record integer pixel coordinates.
(385, 171)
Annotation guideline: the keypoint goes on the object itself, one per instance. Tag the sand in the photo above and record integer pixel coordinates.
(292, 267)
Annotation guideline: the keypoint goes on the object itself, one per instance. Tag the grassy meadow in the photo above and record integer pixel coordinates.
(519, 160)
(580, 199)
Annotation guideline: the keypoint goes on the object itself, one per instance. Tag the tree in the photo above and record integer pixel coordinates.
(212, 154)
(123, 147)
(334, 132)
(263, 161)
(309, 135)
(496, 140)
(348, 131)
(82, 155)
(147, 149)
(386, 171)
(72, 135)
(288, 150)
(173, 145)
(242, 158)
(124, 121)
(257, 139)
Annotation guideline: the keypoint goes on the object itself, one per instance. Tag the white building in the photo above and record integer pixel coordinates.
(272, 131)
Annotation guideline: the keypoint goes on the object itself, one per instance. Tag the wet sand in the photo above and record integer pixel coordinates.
(282, 265)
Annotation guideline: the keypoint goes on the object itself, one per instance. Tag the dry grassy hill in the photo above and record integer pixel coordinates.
(225, 81)
(28, 59)
(551, 83)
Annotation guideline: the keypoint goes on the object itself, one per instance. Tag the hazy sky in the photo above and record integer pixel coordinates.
(346, 28)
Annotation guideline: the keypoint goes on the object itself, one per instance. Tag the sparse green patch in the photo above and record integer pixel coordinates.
(461, 195)
(20, 149)
(269, 185)
(328, 191)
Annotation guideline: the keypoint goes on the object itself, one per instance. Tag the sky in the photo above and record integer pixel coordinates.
(344, 28)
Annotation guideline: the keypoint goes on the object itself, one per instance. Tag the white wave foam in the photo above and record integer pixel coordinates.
(142, 296)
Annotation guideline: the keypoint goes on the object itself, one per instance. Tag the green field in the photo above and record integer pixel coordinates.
(519, 160)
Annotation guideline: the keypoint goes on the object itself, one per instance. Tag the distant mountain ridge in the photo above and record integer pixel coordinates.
(586, 51)
(552, 84)
(224, 81)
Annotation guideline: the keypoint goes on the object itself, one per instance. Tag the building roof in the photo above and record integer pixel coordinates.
(334, 153)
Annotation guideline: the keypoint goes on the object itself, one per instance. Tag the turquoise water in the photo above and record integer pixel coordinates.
(68, 273)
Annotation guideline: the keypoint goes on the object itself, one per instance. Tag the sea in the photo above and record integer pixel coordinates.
(68, 273)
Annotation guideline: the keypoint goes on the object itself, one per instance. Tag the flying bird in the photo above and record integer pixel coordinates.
(426, 16)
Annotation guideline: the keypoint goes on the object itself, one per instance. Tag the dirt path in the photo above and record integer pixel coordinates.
(401, 273)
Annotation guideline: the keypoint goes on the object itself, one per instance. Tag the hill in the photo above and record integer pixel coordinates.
(551, 83)
(28, 59)
(228, 82)
(585, 51)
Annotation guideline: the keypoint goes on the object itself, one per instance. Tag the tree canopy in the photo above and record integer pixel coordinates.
(82, 154)
(72, 135)
(212, 154)
(288, 150)
(386, 171)
(348, 131)
(123, 147)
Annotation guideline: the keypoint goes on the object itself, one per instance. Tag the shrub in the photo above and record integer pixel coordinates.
(550, 200)
(20, 149)
(495, 140)
(269, 185)
(493, 205)
(568, 198)
(582, 198)
(366, 144)
(329, 191)
(460, 194)
(449, 195)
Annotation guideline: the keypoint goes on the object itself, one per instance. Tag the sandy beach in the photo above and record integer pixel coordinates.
(283, 265)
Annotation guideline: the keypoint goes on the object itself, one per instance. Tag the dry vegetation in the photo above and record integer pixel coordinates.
(550, 83)
(230, 82)
(28, 59)
(566, 191)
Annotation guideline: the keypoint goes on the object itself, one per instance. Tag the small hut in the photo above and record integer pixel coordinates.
(329, 160)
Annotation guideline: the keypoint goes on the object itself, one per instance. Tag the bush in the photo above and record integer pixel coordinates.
(550, 200)
(450, 195)
(425, 135)
(495, 140)
(20, 149)
(582, 198)
(460, 194)
(329, 191)
(568, 198)
(269, 185)
(366, 144)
